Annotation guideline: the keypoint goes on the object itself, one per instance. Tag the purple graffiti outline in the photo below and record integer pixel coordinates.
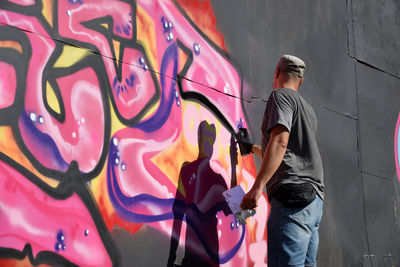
(117, 196)
(161, 116)
(45, 141)
(152, 124)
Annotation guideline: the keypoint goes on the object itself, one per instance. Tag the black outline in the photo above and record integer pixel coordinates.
(91, 61)
(72, 181)
(56, 89)
(71, 184)
(197, 97)
(118, 63)
(31, 10)
(219, 50)
(43, 257)
(18, 60)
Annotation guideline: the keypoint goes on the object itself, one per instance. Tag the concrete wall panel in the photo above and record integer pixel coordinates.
(374, 28)
(379, 98)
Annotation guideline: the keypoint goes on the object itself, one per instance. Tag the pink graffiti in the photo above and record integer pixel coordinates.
(134, 89)
(23, 2)
(29, 215)
(80, 136)
(209, 68)
(8, 84)
(131, 80)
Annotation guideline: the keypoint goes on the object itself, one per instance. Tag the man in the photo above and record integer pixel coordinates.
(291, 169)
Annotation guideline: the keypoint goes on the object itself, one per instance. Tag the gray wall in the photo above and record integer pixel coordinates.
(351, 49)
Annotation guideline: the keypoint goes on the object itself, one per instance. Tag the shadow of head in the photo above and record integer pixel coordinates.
(206, 134)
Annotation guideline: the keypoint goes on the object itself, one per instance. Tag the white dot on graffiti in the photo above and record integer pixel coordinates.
(170, 24)
(83, 120)
(196, 48)
(74, 135)
(141, 61)
(69, 12)
(219, 221)
(117, 161)
(32, 116)
(41, 120)
(226, 88)
(123, 166)
(115, 141)
(171, 36)
(219, 233)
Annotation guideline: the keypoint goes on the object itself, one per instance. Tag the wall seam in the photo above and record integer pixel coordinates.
(359, 150)
(350, 18)
(373, 67)
(376, 175)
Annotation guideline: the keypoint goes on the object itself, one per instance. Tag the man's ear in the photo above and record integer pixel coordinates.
(277, 72)
(301, 81)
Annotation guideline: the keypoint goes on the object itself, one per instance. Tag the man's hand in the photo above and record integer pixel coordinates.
(251, 198)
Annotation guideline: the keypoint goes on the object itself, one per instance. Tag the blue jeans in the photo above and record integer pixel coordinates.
(293, 234)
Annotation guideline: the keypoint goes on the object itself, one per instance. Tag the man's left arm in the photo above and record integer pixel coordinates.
(273, 156)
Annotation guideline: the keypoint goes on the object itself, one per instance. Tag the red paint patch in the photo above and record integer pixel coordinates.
(19, 263)
(202, 14)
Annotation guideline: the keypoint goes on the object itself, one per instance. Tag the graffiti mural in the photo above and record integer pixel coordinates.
(119, 113)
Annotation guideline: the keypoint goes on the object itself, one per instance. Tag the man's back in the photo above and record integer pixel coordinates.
(302, 161)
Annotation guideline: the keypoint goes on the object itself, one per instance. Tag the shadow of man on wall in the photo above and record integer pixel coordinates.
(199, 198)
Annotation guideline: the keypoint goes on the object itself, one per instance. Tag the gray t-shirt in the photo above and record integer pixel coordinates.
(302, 162)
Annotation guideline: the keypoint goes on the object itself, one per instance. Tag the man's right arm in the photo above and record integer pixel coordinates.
(273, 157)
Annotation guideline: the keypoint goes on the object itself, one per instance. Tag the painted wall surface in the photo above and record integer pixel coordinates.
(116, 123)
(110, 120)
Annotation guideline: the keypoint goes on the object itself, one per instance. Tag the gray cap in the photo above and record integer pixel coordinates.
(292, 64)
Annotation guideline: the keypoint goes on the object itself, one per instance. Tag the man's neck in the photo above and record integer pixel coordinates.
(288, 86)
